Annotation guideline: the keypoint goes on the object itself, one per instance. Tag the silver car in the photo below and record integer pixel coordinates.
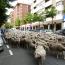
(1, 44)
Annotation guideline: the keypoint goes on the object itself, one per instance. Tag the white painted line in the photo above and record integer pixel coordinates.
(11, 53)
(7, 46)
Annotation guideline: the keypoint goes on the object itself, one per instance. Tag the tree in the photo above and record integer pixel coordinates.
(3, 5)
(24, 21)
(64, 11)
(29, 18)
(39, 17)
(8, 25)
(51, 12)
(17, 23)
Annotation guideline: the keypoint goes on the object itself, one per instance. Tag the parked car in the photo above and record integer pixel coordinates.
(47, 31)
(1, 41)
(60, 32)
(1, 44)
(43, 30)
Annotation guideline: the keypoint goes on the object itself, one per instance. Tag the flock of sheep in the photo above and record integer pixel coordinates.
(42, 43)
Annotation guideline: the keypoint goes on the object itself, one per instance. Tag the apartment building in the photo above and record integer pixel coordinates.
(40, 5)
(19, 11)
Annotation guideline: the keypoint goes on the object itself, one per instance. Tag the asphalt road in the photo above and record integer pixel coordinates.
(20, 56)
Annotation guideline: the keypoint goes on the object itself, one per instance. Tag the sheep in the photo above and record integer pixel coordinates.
(40, 54)
(33, 39)
(57, 48)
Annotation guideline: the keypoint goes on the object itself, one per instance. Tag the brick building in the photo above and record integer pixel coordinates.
(19, 11)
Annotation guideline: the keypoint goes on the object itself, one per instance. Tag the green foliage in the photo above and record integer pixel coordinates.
(35, 17)
(17, 23)
(64, 11)
(40, 17)
(51, 12)
(29, 18)
(23, 21)
(8, 25)
(3, 5)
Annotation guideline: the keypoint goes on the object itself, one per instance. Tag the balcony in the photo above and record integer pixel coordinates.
(37, 3)
(46, 0)
(48, 3)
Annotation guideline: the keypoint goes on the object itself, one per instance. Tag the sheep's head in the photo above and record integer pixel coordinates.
(36, 55)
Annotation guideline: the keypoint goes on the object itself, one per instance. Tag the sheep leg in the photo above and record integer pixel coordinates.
(57, 55)
(27, 45)
(17, 45)
(63, 55)
(41, 60)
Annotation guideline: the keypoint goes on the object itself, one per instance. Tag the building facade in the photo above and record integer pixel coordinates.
(19, 11)
(41, 5)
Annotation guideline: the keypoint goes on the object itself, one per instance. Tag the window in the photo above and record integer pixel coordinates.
(59, 12)
(34, 1)
(46, 0)
(29, 8)
(34, 7)
(59, 3)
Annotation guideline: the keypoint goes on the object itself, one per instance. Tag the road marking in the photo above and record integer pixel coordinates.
(7, 46)
(11, 53)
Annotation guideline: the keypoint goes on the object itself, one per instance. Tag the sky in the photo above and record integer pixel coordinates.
(19, 1)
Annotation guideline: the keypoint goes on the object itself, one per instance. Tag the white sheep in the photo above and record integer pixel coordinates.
(40, 54)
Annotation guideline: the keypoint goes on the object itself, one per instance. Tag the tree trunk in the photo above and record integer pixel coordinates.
(39, 25)
(52, 25)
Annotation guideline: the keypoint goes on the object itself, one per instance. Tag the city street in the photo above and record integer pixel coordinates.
(32, 32)
(19, 56)
(15, 56)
